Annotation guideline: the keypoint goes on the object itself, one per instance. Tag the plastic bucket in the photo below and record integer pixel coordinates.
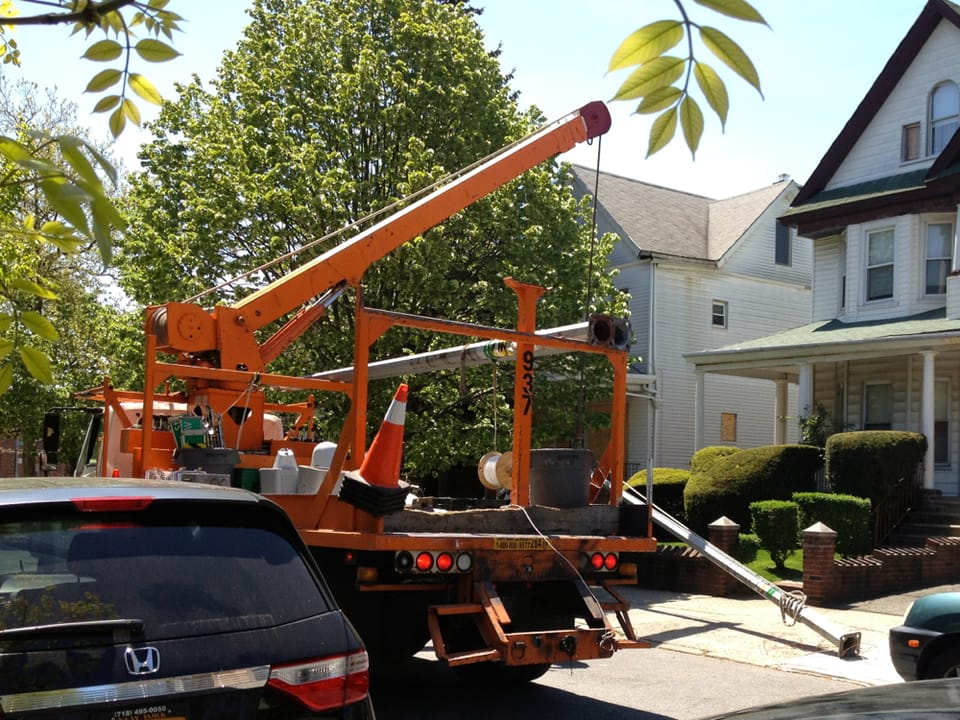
(560, 477)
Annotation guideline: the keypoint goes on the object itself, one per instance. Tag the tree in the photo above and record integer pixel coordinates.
(323, 114)
(68, 285)
(65, 169)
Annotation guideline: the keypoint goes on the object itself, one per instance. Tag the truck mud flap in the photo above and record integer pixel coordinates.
(466, 633)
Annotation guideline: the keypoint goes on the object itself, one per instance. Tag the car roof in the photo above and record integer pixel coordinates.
(26, 490)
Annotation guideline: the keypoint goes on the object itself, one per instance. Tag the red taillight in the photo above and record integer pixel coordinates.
(444, 562)
(111, 504)
(596, 561)
(326, 683)
(424, 561)
(610, 562)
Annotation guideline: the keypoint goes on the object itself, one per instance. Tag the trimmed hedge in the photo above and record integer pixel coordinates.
(775, 522)
(668, 486)
(868, 463)
(748, 545)
(772, 472)
(705, 457)
(850, 517)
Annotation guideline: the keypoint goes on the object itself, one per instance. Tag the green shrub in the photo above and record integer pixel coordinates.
(868, 463)
(775, 523)
(668, 486)
(850, 517)
(748, 544)
(772, 472)
(705, 457)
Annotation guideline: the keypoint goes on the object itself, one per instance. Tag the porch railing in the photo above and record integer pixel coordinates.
(891, 510)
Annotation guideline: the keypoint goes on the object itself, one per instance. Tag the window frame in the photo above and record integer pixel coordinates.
(937, 141)
(871, 269)
(947, 259)
(911, 142)
(879, 423)
(782, 245)
(720, 309)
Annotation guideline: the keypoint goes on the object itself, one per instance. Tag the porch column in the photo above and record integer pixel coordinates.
(699, 409)
(927, 415)
(780, 414)
(805, 389)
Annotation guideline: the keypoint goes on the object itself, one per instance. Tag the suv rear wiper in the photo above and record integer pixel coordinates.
(80, 627)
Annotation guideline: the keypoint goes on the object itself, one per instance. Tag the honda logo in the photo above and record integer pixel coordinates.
(142, 661)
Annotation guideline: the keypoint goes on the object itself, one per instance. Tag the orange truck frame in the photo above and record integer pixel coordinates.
(505, 591)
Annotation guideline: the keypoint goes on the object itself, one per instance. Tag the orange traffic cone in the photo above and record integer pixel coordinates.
(381, 464)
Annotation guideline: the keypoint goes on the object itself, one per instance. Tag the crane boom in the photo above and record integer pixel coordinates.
(226, 332)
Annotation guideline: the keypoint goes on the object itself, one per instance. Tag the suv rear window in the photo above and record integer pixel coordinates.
(181, 570)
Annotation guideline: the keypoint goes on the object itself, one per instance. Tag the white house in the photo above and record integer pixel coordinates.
(881, 209)
(701, 273)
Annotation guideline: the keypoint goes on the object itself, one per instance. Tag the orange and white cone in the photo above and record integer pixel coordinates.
(381, 464)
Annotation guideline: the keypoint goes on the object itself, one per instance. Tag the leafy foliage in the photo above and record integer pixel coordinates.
(325, 113)
(850, 517)
(869, 463)
(655, 77)
(775, 523)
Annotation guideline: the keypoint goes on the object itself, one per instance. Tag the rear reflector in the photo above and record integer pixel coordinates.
(326, 683)
(111, 504)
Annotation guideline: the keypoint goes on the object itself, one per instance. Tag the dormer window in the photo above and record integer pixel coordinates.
(944, 115)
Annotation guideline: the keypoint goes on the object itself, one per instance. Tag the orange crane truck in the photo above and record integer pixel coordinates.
(501, 591)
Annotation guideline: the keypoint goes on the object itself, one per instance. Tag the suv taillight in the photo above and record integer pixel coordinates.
(325, 683)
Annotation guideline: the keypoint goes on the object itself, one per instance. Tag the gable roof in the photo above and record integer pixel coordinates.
(665, 222)
(817, 212)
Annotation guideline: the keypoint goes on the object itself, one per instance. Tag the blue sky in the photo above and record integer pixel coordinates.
(816, 61)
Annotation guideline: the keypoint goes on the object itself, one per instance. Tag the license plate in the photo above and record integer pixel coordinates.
(533, 543)
(159, 711)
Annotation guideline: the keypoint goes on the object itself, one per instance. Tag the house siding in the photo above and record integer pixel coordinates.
(754, 255)
(827, 278)
(683, 313)
(877, 152)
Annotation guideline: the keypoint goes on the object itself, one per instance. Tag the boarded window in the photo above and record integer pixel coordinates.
(910, 142)
(728, 427)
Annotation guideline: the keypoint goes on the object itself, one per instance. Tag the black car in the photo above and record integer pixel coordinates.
(929, 700)
(927, 644)
(134, 599)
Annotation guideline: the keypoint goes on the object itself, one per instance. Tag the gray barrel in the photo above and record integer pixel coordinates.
(560, 477)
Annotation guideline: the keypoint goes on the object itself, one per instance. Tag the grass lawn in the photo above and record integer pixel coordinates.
(763, 566)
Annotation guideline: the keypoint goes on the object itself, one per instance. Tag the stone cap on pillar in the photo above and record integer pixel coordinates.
(723, 523)
(818, 528)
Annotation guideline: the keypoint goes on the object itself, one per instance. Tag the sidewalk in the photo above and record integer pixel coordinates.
(750, 629)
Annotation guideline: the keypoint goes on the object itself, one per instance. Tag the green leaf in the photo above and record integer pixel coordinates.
(6, 320)
(103, 80)
(70, 149)
(6, 377)
(5, 347)
(691, 120)
(658, 73)
(37, 364)
(28, 286)
(155, 51)
(67, 199)
(131, 111)
(739, 9)
(39, 325)
(106, 104)
(104, 164)
(145, 89)
(647, 43)
(731, 54)
(662, 131)
(13, 150)
(104, 51)
(713, 89)
(658, 100)
(105, 213)
(117, 122)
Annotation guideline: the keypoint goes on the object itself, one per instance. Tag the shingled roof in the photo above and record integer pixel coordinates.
(666, 222)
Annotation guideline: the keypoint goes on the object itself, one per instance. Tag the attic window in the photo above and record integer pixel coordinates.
(944, 115)
(781, 253)
(910, 142)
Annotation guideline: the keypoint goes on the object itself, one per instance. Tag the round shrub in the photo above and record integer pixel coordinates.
(775, 523)
(668, 486)
(772, 472)
(850, 517)
(748, 545)
(868, 463)
(705, 457)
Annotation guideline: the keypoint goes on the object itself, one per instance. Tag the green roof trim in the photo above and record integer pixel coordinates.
(914, 180)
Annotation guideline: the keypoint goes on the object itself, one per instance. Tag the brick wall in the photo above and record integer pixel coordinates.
(8, 456)
(826, 580)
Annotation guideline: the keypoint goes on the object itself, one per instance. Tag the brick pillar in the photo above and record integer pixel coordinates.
(724, 533)
(819, 546)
